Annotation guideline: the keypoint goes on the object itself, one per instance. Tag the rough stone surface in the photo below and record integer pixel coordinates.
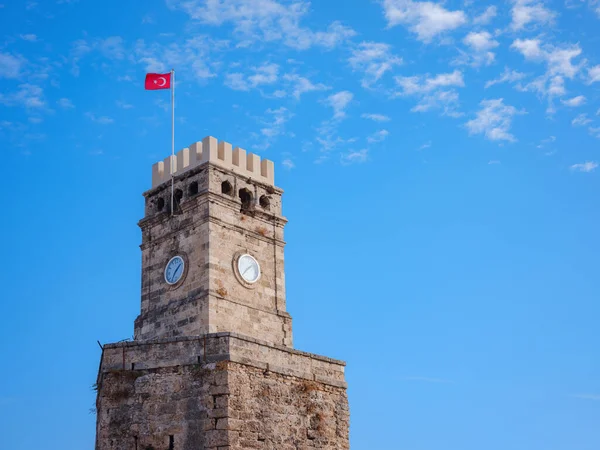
(216, 406)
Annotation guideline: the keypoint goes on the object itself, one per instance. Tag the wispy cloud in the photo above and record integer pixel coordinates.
(376, 117)
(486, 17)
(480, 45)
(494, 120)
(102, 120)
(575, 101)
(355, 156)
(378, 136)
(288, 164)
(11, 65)
(427, 20)
(299, 85)
(588, 166)
(265, 21)
(123, 105)
(559, 62)
(508, 76)
(530, 12)
(374, 59)
(28, 96)
(581, 120)
(435, 92)
(65, 103)
(273, 125)
(339, 102)
(594, 74)
(264, 74)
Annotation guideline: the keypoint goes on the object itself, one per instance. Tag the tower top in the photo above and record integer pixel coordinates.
(219, 153)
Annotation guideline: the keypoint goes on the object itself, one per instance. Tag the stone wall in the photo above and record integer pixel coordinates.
(268, 410)
(219, 391)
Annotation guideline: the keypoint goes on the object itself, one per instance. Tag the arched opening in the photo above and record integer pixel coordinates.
(193, 189)
(178, 195)
(160, 204)
(265, 202)
(226, 188)
(247, 199)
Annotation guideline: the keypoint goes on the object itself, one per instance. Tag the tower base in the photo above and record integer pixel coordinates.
(220, 391)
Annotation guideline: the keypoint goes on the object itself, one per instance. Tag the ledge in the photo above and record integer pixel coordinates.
(214, 347)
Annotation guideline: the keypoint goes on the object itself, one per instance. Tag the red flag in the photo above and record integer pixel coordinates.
(158, 81)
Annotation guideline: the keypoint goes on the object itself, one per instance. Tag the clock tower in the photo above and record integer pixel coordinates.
(211, 365)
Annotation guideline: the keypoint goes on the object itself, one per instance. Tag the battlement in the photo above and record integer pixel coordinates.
(220, 153)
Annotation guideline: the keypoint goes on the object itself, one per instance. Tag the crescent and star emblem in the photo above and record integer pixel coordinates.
(159, 79)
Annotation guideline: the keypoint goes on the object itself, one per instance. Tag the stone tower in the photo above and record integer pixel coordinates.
(212, 366)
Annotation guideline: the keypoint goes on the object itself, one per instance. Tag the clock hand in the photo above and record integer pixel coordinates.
(247, 269)
(177, 270)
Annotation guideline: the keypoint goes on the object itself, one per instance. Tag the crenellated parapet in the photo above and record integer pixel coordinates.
(215, 152)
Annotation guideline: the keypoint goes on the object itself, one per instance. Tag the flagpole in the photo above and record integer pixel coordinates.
(172, 141)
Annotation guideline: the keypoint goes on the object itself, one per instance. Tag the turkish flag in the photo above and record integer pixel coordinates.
(158, 81)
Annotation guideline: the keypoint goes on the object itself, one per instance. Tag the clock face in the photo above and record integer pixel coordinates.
(249, 268)
(174, 270)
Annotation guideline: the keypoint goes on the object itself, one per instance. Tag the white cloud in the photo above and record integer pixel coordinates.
(426, 19)
(10, 65)
(481, 43)
(493, 162)
(65, 103)
(102, 120)
(378, 136)
(494, 120)
(148, 19)
(525, 12)
(544, 142)
(264, 21)
(425, 146)
(339, 102)
(508, 76)
(193, 57)
(261, 75)
(28, 37)
(425, 84)
(575, 101)
(374, 59)
(288, 164)
(558, 59)
(594, 131)
(302, 85)
(581, 120)
(273, 126)
(123, 105)
(352, 157)
(28, 96)
(587, 166)
(376, 117)
(435, 92)
(594, 74)
(559, 65)
(486, 17)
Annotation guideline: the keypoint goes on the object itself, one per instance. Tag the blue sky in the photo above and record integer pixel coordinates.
(439, 162)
